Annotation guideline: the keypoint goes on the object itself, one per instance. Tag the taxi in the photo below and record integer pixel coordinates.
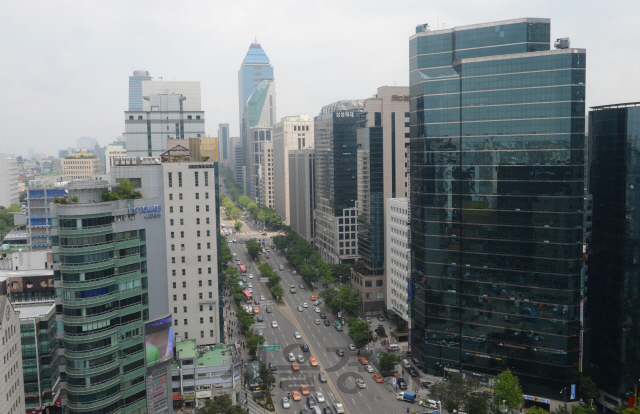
(313, 362)
(313, 297)
(295, 366)
(295, 395)
(304, 390)
(363, 361)
(378, 378)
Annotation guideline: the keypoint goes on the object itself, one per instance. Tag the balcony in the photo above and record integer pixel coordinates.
(94, 404)
(84, 389)
(87, 319)
(89, 336)
(86, 302)
(93, 370)
(91, 353)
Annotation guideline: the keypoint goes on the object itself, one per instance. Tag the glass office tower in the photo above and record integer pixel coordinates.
(614, 251)
(135, 89)
(497, 138)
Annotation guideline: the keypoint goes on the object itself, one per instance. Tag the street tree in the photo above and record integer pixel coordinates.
(253, 248)
(387, 361)
(244, 201)
(252, 208)
(245, 319)
(506, 387)
(477, 404)
(588, 389)
(277, 291)
(266, 378)
(220, 405)
(253, 340)
(225, 252)
(238, 225)
(457, 393)
(537, 410)
(235, 213)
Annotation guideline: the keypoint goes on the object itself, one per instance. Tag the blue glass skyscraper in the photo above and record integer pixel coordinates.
(135, 89)
(497, 195)
(255, 68)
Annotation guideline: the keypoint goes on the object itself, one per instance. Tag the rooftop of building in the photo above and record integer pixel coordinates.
(26, 273)
(204, 356)
(620, 105)
(36, 310)
(344, 105)
(423, 29)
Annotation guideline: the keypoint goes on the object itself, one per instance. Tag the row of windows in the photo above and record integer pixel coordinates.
(206, 196)
(197, 234)
(200, 296)
(182, 248)
(195, 177)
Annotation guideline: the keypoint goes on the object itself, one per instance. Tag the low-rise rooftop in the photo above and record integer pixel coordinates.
(204, 356)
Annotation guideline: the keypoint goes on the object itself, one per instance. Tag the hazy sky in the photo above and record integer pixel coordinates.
(65, 64)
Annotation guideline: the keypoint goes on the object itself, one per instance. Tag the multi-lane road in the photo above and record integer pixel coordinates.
(322, 340)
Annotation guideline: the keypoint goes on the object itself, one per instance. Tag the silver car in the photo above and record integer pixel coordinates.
(319, 397)
(297, 335)
(300, 359)
(285, 403)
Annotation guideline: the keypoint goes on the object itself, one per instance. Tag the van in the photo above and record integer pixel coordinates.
(394, 347)
(281, 268)
(406, 363)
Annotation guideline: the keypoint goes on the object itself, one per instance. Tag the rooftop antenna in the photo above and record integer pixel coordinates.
(255, 39)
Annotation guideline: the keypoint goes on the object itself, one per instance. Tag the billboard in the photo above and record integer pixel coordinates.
(158, 340)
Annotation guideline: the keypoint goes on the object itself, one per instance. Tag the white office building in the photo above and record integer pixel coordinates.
(302, 192)
(164, 118)
(398, 255)
(291, 133)
(9, 186)
(190, 90)
(112, 152)
(12, 388)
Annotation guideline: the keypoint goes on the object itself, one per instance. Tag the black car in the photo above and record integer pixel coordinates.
(413, 372)
(311, 401)
(268, 310)
(327, 410)
(340, 352)
(326, 323)
(303, 412)
(322, 377)
(305, 347)
(323, 316)
(426, 384)
(272, 366)
(260, 318)
(256, 301)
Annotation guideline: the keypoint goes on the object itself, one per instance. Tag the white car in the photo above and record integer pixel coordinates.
(250, 285)
(297, 335)
(339, 408)
(352, 347)
(250, 290)
(285, 403)
(291, 357)
(250, 275)
(317, 310)
(304, 305)
(300, 308)
(360, 383)
(300, 359)
(274, 324)
(262, 297)
(369, 368)
(319, 397)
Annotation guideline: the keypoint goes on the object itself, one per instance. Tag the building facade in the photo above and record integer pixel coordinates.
(12, 388)
(398, 257)
(302, 192)
(497, 183)
(335, 140)
(383, 139)
(135, 89)
(80, 166)
(223, 142)
(291, 133)
(111, 152)
(38, 205)
(148, 131)
(203, 149)
(266, 196)
(258, 137)
(104, 296)
(9, 184)
(613, 262)
(190, 91)
(255, 68)
(238, 165)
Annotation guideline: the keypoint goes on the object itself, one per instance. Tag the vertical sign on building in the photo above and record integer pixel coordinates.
(157, 396)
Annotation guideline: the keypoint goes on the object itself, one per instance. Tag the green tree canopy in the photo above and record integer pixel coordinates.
(359, 331)
(506, 386)
(477, 404)
(235, 213)
(253, 248)
(245, 319)
(238, 225)
(244, 201)
(266, 378)
(252, 208)
(387, 361)
(253, 340)
(277, 291)
(225, 252)
(126, 191)
(457, 393)
(221, 405)
(588, 389)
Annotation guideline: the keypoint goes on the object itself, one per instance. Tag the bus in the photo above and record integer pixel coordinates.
(247, 296)
(243, 270)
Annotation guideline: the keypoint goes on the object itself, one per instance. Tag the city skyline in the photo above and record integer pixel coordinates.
(80, 81)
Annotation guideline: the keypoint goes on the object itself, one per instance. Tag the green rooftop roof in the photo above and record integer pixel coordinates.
(216, 355)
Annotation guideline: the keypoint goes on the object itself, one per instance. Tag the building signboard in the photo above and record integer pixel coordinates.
(157, 395)
(149, 211)
(158, 341)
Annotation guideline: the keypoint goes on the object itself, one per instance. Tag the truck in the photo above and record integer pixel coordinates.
(281, 268)
(407, 396)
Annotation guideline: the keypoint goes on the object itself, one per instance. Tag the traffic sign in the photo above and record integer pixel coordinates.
(270, 348)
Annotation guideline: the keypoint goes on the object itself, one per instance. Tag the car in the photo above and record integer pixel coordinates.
(360, 383)
(426, 384)
(381, 318)
(339, 408)
(304, 389)
(250, 285)
(326, 323)
(402, 384)
(262, 297)
(234, 255)
(296, 335)
(273, 366)
(313, 362)
(295, 395)
(313, 297)
(250, 290)
(285, 403)
(256, 301)
(300, 359)
(260, 318)
(311, 401)
(300, 309)
(369, 369)
(302, 287)
(340, 352)
(319, 397)
(367, 319)
(378, 378)
(268, 310)
(304, 412)
(413, 372)
(317, 310)
(244, 279)
(322, 377)
(363, 361)
(317, 302)
(274, 324)
(317, 321)
(304, 305)
(323, 316)
(256, 310)
(250, 275)
(327, 410)
(352, 347)
(294, 272)
(295, 366)
(304, 347)
(291, 357)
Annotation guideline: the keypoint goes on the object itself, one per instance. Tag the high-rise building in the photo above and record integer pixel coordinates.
(497, 183)
(147, 132)
(80, 166)
(255, 68)
(203, 149)
(383, 140)
(238, 161)
(38, 201)
(259, 115)
(111, 152)
(223, 142)
(190, 91)
(302, 192)
(189, 193)
(87, 143)
(613, 254)
(259, 140)
(291, 133)
(11, 389)
(104, 296)
(9, 184)
(266, 195)
(135, 89)
(335, 140)
(398, 257)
